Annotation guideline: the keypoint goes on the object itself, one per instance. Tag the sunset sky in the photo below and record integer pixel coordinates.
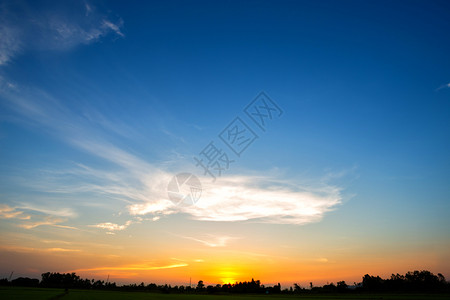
(102, 103)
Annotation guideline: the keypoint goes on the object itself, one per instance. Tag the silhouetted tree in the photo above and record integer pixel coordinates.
(25, 281)
(341, 286)
(200, 285)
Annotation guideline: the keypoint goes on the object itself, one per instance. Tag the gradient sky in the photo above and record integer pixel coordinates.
(103, 102)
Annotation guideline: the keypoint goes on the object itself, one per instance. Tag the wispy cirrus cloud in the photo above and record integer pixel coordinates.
(33, 217)
(444, 86)
(114, 27)
(61, 212)
(10, 45)
(212, 240)
(53, 28)
(142, 185)
(134, 267)
(34, 250)
(8, 212)
(47, 220)
(62, 250)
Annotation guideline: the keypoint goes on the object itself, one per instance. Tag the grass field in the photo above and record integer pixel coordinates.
(41, 293)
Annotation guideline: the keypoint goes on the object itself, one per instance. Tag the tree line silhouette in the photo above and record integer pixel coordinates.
(417, 281)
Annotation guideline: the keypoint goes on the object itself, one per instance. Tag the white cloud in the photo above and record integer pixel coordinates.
(114, 27)
(51, 28)
(8, 212)
(162, 206)
(88, 8)
(112, 226)
(443, 86)
(252, 198)
(143, 185)
(61, 212)
(10, 44)
(141, 267)
(34, 216)
(264, 200)
(51, 221)
(212, 240)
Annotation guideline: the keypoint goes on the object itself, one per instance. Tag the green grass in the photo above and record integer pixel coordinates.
(41, 293)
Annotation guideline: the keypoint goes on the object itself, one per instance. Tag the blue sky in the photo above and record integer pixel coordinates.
(101, 103)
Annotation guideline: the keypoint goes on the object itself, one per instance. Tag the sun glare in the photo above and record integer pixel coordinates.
(228, 277)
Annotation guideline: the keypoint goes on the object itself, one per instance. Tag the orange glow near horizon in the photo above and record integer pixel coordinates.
(230, 263)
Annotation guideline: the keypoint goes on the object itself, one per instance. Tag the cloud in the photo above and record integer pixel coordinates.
(263, 199)
(212, 241)
(114, 27)
(46, 221)
(62, 212)
(7, 212)
(111, 226)
(163, 206)
(444, 86)
(141, 267)
(253, 198)
(34, 217)
(143, 185)
(62, 250)
(10, 45)
(33, 250)
(88, 8)
(51, 28)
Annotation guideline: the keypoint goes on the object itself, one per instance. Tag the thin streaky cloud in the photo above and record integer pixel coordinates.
(10, 44)
(62, 212)
(143, 267)
(144, 186)
(114, 27)
(46, 29)
(212, 241)
(8, 212)
(35, 249)
(50, 221)
(444, 86)
(62, 250)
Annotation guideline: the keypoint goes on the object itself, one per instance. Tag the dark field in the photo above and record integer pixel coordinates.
(42, 293)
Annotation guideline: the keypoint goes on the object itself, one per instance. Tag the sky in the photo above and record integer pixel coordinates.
(163, 141)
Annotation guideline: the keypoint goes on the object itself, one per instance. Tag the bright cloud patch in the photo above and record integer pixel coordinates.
(211, 240)
(112, 226)
(163, 206)
(252, 198)
(255, 198)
